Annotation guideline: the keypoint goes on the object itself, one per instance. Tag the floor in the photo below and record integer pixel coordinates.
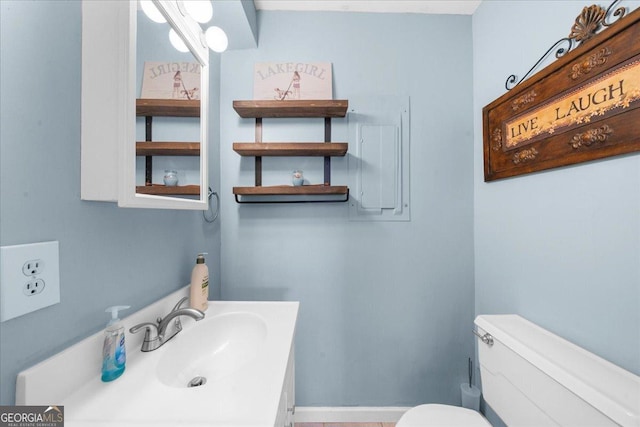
(345, 424)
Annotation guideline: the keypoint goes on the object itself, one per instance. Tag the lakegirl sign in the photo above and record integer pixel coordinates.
(171, 80)
(292, 80)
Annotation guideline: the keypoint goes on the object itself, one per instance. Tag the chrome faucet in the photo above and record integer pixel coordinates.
(155, 334)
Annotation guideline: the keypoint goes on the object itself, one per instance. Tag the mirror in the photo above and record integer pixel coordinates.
(110, 168)
(164, 158)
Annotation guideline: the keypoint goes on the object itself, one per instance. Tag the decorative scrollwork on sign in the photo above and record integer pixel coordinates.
(525, 155)
(618, 13)
(589, 63)
(586, 139)
(586, 25)
(511, 80)
(497, 139)
(523, 100)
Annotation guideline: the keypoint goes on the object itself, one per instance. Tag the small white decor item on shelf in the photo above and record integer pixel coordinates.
(297, 178)
(170, 178)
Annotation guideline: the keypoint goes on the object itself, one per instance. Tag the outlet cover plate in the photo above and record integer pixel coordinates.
(13, 300)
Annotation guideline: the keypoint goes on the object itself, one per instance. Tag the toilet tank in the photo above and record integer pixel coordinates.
(531, 377)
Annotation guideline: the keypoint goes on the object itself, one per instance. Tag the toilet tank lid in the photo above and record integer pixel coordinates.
(612, 390)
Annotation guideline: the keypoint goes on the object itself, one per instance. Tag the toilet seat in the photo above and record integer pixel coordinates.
(441, 415)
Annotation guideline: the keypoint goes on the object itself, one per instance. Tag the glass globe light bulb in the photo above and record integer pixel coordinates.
(152, 11)
(200, 10)
(217, 39)
(177, 42)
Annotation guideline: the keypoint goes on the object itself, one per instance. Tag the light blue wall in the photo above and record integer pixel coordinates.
(386, 308)
(108, 255)
(561, 248)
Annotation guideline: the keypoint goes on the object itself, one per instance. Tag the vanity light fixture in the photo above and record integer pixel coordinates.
(200, 11)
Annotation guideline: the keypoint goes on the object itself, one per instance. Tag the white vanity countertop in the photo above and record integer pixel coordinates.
(247, 397)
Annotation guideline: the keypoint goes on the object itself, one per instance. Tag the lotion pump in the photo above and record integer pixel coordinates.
(114, 355)
(199, 290)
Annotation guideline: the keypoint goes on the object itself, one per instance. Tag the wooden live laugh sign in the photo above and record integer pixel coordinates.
(584, 106)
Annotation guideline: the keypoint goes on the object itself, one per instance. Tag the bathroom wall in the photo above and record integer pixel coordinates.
(562, 247)
(386, 307)
(108, 255)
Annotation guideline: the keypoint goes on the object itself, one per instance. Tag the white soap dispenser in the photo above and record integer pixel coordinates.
(199, 290)
(114, 355)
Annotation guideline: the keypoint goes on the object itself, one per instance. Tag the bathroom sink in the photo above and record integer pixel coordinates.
(244, 350)
(220, 346)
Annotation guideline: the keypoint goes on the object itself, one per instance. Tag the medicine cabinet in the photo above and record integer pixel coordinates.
(120, 160)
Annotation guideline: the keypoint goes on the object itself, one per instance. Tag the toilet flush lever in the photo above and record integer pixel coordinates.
(486, 338)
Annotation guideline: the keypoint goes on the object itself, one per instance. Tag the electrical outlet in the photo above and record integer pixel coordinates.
(33, 267)
(33, 287)
(29, 278)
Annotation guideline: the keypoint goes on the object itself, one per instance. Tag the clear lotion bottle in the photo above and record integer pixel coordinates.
(199, 290)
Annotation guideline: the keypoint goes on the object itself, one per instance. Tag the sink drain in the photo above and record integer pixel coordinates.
(197, 382)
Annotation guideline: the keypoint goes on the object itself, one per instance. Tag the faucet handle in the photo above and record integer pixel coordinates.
(151, 339)
(148, 329)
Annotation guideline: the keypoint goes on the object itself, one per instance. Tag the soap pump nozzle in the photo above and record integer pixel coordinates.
(114, 312)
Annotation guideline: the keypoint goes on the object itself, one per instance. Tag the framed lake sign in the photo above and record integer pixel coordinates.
(171, 80)
(285, 81)
(582, 107)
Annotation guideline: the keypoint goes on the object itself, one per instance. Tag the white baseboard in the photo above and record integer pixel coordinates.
(349, 414)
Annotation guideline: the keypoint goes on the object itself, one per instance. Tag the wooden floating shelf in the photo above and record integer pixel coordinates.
(292, 108)
(149, 148)
(168, 107)
(163, 190)
(259, 109)
(338, 149)
(289, 190)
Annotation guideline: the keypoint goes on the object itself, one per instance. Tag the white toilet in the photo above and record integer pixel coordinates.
(533, 377)
(433, 414)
